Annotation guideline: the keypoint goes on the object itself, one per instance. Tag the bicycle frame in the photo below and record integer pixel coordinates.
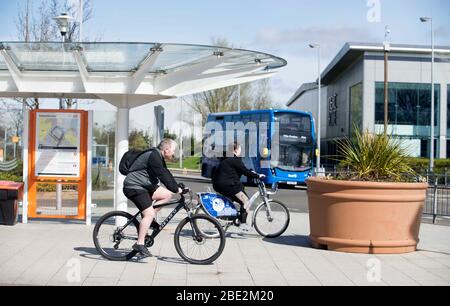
(181, 204)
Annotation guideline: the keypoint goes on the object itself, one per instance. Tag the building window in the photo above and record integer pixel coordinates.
(409, 105)
(448, 112)
(409, 114)
(356, 96)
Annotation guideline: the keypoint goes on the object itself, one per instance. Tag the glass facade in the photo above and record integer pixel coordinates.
(409, 113)
(409, 105)
(356, 111)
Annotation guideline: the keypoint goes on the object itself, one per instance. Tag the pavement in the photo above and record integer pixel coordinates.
(63, 254)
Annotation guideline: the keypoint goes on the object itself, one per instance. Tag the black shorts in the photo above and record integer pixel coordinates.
(141, 198)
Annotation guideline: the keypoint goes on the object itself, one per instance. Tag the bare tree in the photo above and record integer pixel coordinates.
(12, 113)
(40, 27)
(255, 95)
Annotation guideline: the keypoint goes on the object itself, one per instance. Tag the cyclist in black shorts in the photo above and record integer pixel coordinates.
(143, 185)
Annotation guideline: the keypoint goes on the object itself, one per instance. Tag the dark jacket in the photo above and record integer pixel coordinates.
(227, 178)
(149, 170)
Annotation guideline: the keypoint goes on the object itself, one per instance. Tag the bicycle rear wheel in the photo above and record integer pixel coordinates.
(274, 223)
(199, 239)
(113, 242)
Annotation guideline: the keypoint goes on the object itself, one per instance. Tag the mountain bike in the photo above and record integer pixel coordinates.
(199, 239)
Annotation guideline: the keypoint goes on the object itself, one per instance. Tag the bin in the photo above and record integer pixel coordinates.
(10, 194)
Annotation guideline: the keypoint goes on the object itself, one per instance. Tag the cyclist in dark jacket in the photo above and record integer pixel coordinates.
(227, 179)
(143, 185)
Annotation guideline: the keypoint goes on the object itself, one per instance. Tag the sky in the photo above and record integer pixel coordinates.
(283, 28)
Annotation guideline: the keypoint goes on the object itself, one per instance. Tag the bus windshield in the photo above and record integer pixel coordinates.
(296, 143)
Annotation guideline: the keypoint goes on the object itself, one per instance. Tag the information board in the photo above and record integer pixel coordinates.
(57, 144)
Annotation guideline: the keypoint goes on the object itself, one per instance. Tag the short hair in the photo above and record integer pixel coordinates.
(234, 146)
(231, 148)
(166, 144)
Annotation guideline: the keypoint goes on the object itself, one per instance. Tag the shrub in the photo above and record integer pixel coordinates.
(372, 157)
(8, 176)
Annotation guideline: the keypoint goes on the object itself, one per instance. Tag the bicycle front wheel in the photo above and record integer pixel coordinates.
(199, 239)
(115, 242)
(225, 224)
(273, 223)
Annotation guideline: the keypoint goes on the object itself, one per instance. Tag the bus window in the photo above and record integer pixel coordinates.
(295, 142)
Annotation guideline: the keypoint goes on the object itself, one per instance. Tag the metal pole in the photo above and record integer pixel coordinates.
(4, 144)
(445, 176)
(181, 134)
(318, 111)
(386, 77)
(385, 90)
(239, 98)
(58, 196)
(432, 99)
(80, 20)
(435, 200)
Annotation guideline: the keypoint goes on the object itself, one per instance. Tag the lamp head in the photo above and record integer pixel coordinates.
(63, 23)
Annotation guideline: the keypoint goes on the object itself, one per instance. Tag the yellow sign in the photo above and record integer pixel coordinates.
(15, 139)
(317, 152)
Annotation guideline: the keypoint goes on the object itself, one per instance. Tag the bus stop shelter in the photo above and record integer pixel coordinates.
(126, 75)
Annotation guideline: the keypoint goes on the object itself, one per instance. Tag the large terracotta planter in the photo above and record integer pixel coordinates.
(365, 217)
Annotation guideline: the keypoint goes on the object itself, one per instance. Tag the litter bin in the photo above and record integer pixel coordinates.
(10, 194)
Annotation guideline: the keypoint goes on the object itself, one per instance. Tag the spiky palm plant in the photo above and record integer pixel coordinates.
(371, 157)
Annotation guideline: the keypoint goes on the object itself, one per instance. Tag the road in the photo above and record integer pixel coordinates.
(294, 199)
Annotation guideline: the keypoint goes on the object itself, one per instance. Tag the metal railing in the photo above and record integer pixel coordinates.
(437, 203)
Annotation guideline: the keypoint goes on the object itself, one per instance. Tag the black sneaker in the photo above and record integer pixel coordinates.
(142, 249)
(243, 217)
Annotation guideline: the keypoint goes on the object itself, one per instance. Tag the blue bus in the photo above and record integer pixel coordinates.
(277, 143)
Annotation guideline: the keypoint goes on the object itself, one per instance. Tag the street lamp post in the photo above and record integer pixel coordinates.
(63, 24)
(431, 166)
(63, 21)
(386, 92)
(317, 46)
(239, 97)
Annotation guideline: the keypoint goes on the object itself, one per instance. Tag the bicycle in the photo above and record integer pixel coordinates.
(114, 241)
(271, 213)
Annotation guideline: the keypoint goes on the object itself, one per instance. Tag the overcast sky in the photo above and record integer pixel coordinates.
(283, 28)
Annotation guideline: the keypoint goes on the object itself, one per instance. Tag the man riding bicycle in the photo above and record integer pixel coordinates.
(227, 179)
(142, 186)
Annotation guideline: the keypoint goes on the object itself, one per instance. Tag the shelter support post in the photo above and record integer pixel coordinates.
(122, 126)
